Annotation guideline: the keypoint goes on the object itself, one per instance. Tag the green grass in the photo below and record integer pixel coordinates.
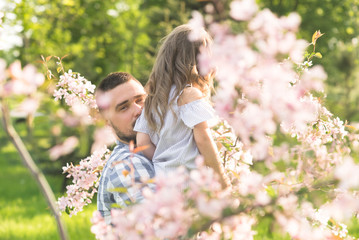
(24, 213)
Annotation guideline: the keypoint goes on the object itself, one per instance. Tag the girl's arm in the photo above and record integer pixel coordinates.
(143, 139)
(208, 149)
(203, 137)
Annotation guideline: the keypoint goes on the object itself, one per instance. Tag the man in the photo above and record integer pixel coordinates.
(120, 98)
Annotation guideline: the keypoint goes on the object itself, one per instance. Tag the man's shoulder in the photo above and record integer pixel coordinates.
(120, 151)
(121, 155)
(117, 154)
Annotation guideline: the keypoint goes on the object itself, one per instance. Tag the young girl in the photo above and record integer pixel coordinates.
(174, 120)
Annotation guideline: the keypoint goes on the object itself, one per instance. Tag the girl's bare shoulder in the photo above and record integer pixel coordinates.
(188, 95)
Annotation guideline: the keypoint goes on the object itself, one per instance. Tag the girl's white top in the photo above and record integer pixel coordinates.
(175, 145)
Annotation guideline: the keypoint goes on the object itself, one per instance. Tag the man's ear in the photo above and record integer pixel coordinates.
(108, 123)
(102, 116)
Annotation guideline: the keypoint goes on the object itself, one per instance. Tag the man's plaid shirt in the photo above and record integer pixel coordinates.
(114, 176)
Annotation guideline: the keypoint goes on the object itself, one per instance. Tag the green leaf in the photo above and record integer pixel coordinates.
(271, 192)
(311, 55)
(68, 210)
(318, 55)
(119, 189)
(115, 205)
(128, 202)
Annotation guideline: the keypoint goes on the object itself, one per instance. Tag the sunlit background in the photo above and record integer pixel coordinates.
(103, 36)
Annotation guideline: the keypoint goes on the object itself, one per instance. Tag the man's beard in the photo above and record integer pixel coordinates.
(125, 137)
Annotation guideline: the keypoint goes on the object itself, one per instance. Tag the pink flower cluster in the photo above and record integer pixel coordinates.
(22, 81)
(238, 227)
(15, 80)
(65, 148)
(160, 215)
(76, 90)
(234, 158)
(243, 10)
(103, 136)
(180, 200)
(299, 222)
(78, 94)
(257, 92)
(261, 97)
(325, 137)
(85, 182)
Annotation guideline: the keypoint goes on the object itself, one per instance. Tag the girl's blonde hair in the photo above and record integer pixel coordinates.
(176, 64)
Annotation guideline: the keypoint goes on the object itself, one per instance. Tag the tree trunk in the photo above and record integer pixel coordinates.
(35, 171)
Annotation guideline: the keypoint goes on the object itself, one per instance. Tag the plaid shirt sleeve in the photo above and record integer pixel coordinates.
(113, 177)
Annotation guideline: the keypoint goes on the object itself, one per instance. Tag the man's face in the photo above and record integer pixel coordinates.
(125, 106)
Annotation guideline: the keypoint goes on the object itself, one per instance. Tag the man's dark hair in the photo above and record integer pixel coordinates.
(114, 79)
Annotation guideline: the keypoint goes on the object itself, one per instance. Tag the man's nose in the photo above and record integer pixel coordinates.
(137, 109)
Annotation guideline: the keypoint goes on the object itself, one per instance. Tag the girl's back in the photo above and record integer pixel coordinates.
(175, 145)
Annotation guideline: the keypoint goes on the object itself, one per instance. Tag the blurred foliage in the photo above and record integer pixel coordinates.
(99, 36)
(339, 20)
(122, 35)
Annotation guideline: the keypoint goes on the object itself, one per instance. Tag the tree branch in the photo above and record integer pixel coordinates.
(35, 171)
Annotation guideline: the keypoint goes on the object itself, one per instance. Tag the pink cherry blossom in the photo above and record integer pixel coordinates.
(291, 22)
(343, 207)
(15, 70)
(103, 100)
(75, 89)
(196, 24)
(29, 106)
(103, 137)
(65, 148)
(243, 9)
(23, 81)
(31, 75)
(85, 181)
(346, 172)
(100, 228)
